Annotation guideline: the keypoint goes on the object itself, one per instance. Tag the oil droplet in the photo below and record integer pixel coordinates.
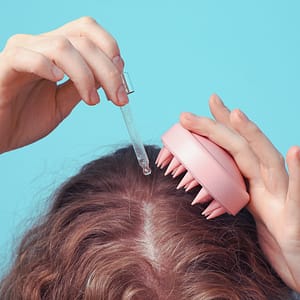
(146, 170)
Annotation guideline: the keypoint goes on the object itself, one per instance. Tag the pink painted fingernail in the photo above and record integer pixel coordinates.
(122, 95)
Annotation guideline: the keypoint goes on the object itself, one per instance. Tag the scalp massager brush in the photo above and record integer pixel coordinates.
(206, 164)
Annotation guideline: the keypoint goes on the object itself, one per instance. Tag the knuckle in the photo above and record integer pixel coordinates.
(113, 45)
(87, 20)
(61, 44)
(86, 24)
(16, 39)
(86, 44)
(13, 53)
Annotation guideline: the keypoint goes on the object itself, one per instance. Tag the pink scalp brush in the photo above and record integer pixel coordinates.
(206, 164)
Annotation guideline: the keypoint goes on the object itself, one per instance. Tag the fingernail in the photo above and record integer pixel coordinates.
(218, 99)
(122, 95)
(94, 97)
(118, 62)
(189, 116)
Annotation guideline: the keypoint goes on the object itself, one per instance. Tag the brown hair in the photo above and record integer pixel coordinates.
(113, 233)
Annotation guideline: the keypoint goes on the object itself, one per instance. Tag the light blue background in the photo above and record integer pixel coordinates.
(177, 53)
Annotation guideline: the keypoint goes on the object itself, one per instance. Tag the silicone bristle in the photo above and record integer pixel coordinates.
(188, 177)
(213, 205)
(204, 168)
(202, 197)
(191, 185)
(178, 171)
(158, 156)
(217, 212)
(175, 163)
(163, 158)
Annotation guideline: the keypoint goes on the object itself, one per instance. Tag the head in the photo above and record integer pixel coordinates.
(113, 233)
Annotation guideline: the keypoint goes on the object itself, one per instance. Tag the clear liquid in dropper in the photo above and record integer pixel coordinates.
(137, 143)
(145, 166)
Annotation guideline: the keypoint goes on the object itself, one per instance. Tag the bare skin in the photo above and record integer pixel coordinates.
(32, 104)
(274, 192)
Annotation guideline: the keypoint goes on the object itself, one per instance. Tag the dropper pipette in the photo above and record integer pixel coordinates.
(136, 141)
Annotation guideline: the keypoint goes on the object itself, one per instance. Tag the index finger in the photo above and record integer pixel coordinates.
(228, 139)
(89, 28)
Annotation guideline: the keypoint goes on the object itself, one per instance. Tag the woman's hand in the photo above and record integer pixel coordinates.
(274, 193)
(31, 102)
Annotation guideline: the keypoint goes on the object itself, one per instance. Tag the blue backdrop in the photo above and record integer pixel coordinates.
(177, 54)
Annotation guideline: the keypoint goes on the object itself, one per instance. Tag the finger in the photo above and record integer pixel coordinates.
(272, 162)
(61, 51)
(293, 196)
(223, 136)
(105, 72)
(22, 60)
(67, 97)
(89, 28)
(260, 144)
(219, 110)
